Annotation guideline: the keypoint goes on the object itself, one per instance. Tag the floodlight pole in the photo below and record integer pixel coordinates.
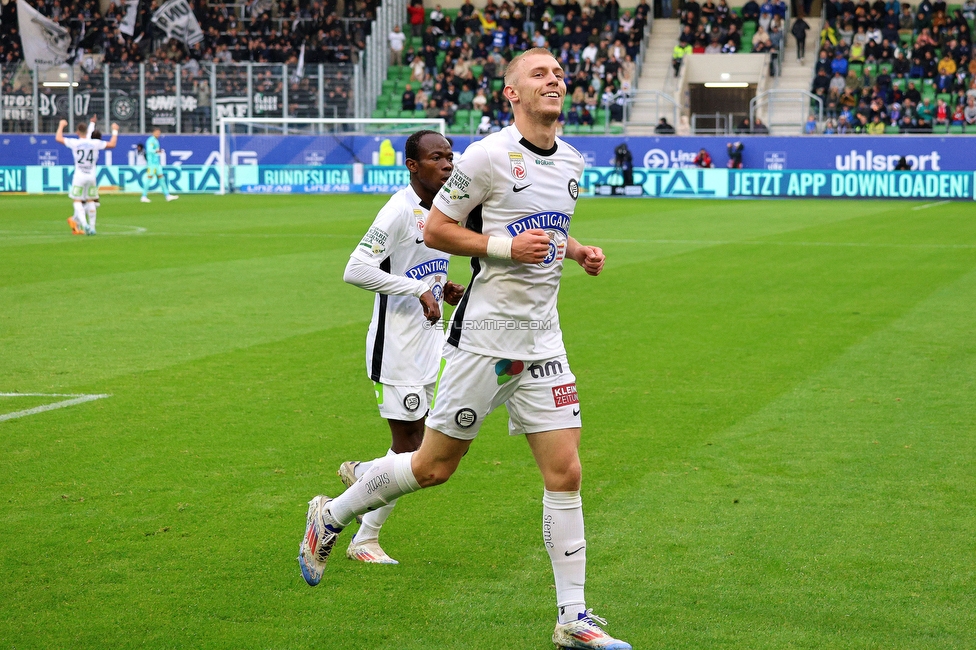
(223, 161)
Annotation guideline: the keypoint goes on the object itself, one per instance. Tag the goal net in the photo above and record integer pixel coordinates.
(280, 148)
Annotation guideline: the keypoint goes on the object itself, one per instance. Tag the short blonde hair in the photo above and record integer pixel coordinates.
(512, 69)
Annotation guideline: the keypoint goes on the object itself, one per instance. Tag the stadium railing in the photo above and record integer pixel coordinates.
(144, 96)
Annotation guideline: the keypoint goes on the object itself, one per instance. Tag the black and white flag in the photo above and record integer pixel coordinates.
(45, 42)
(128, 26)
(177, 20)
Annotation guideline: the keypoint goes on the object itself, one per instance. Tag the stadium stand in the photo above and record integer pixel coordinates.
(890, 68)
(453, 68)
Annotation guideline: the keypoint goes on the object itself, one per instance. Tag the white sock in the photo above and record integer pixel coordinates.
(363, 467)
(562, 532)
(91, 209)
(80, 215)
(373, 521)
(388, 478)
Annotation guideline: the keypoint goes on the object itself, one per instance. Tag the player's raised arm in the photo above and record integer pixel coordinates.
(591, 258)
(59, 136)
(115, 137)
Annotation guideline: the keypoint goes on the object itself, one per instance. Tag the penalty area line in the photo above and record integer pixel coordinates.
(929, 205)
(76, 399)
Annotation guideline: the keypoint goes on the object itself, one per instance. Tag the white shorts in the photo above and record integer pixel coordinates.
(84, 187)
(539, 395)
(407, 403)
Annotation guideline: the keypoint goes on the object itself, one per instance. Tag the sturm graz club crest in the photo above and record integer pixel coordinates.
(465, 418)
(123, 108)
(573, 188)
(411, 402)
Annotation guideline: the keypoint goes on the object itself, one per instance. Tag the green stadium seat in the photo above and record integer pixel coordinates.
(892, 129)
(946, 97)
(616, 129)
(463, 116)
(940, 129)
(885, 67)
(391, 113)
(900, 84)
(956, 129)
(970, 128)
(497, 84)
(417, 42)
(870, 69)
(379, 114)
(928, 83)
(599, 128)
(389, 86)
(407, 115)
(476, 71)
(857, 68)
(404, 73)
(571, 129)
(457, 128)
(418, 115)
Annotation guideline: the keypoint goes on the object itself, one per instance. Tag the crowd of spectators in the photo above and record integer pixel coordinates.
(710, 28)
(887, 67)
(457, 63)
(266, 31)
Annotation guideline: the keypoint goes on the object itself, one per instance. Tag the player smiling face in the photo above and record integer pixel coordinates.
(534, 84)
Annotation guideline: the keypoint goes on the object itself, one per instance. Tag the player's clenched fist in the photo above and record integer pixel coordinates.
(531, 246)
(591, 259)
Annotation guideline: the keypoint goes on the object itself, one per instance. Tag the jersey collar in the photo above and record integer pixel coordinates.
(531, 147)
(412, 193)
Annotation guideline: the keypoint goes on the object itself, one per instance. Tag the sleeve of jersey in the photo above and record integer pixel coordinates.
(363, 269)
(91, 129)
(364, 275)
(468, 186)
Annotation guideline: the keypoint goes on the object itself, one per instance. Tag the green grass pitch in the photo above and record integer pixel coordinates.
(778, 441)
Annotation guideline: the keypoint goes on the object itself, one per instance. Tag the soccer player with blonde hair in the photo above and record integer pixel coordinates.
(508, 206)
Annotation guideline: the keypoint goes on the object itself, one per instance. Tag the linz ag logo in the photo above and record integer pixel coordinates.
(565, 395)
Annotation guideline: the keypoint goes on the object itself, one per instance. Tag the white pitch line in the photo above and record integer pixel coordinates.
(720, 242)
(929, 205)
(78, 399)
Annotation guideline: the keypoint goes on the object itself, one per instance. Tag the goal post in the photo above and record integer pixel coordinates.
(310, 136)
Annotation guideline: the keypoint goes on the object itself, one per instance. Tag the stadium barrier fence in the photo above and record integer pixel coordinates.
(659, 183)
(771, 153)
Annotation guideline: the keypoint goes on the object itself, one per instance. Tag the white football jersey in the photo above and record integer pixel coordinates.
(502, 186)
(85, 153)
(402, 348)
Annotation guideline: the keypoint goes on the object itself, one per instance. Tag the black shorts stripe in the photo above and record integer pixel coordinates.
(474, 223)
(376, 363)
